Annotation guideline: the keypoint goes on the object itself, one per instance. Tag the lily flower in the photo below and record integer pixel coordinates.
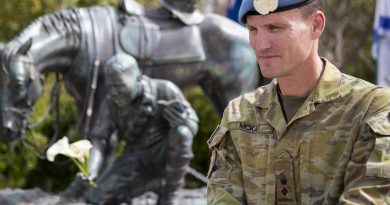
(78, 152)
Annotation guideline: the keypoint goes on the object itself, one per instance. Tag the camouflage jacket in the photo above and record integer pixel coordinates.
(335, 150)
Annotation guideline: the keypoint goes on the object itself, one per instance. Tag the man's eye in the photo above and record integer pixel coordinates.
(273, 28)
(251, 29)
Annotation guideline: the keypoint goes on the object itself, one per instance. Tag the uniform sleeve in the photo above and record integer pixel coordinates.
(225, 178)
(367, 178)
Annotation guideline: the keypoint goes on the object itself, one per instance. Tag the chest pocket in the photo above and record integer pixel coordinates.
(321, 152)
(255, 144)
(378, 164)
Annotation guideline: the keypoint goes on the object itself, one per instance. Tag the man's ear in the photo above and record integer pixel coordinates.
(318, 24)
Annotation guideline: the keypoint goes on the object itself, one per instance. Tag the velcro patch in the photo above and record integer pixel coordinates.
(246, 127)
(217, 136)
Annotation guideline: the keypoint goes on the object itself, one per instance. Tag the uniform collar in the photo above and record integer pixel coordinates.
(327, 89)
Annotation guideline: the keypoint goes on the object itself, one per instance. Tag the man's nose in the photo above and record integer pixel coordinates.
(260, 42)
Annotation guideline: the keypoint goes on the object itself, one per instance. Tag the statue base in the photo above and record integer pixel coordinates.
(37, 196)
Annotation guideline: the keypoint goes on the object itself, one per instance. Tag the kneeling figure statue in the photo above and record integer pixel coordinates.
(157, 124)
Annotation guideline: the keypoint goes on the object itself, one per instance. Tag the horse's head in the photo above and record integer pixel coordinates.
(20, 87)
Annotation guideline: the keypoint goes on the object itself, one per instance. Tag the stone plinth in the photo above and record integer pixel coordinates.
(38, 197)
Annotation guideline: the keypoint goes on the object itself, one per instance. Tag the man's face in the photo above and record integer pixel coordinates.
(282, 42)
(123, 89)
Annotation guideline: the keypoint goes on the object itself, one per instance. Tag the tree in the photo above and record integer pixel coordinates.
(347, 38)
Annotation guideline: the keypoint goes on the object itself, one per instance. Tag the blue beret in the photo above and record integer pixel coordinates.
(283, 5)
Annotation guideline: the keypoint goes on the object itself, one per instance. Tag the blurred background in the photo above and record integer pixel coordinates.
(347, 43)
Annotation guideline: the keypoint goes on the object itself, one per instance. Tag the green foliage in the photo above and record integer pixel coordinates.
(15, 163)
(208, 120)
(22, 166)
(48, 175)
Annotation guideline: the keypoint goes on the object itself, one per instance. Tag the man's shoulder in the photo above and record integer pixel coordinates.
(243, 108)
(369, 98)
(252, 98)
(355, 86)
(349, 82)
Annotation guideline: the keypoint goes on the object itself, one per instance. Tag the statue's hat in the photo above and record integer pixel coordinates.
(263, 7)
(185, 10)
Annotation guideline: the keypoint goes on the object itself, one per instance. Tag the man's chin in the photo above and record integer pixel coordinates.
(268, 73)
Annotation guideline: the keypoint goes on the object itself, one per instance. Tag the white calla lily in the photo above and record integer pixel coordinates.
(60, 147)
(265, 6)
(78, 152)
(81, 149)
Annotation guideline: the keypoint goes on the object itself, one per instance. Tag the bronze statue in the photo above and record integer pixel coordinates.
(156, 122)
(210, 51)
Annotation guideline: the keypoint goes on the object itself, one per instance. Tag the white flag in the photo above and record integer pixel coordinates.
(381, 41)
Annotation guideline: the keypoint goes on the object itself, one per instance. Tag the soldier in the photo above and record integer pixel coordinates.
(157, 124)
(313, 135)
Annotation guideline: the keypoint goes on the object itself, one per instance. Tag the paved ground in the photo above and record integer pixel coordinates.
(38, 197)
(185, 197)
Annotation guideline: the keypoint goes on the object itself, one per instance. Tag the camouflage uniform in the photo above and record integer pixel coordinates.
(335, 150)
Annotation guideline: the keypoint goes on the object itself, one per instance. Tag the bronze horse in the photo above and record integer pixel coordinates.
(214, 54)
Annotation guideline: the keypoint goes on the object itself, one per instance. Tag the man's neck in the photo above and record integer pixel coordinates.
(302, 83)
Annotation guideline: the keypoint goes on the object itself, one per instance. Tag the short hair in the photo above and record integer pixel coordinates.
(317, 5)
(121, 63)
